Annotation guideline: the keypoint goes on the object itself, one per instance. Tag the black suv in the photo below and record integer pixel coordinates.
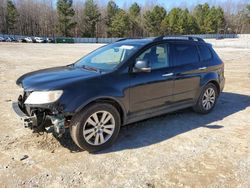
(118, 84)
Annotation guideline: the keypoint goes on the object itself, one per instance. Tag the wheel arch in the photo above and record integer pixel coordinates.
(217, 85)
(199, 97)
(114, 102)
(213, 78)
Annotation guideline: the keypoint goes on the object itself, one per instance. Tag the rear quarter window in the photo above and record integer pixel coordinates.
(205, 53)
(184, 53)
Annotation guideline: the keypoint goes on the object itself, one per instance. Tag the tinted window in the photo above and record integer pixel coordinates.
(185, 54)
(157, 56)
(205, 53)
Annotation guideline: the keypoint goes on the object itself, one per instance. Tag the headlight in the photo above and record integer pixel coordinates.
(43, 97)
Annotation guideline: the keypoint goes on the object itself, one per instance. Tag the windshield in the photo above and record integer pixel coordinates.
(107, 57)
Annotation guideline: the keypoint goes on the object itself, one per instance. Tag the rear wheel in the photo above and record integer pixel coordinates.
(207, 99)
(96, 127)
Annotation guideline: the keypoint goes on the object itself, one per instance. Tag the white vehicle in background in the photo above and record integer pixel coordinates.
(27, 39)
(39, 40)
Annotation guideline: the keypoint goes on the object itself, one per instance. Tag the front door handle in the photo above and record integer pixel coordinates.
(168, 74)
(202, 68)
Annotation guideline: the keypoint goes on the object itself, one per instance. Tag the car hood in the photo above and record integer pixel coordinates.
(53, 78)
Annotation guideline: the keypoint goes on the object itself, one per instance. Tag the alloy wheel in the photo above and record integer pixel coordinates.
(99, 127)
(208, 98)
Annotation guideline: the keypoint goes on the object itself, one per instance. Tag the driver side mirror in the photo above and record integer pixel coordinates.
(142, 66)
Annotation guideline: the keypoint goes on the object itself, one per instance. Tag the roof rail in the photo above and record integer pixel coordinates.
(184, 37)
(122, 39)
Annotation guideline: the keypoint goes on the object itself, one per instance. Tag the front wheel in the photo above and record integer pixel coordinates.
(96, 127)
(207, 99)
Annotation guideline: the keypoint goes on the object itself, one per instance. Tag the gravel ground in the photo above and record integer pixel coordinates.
(181, 149)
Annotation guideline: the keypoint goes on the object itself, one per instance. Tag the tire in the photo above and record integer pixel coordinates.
(90, 123)
(201, 106)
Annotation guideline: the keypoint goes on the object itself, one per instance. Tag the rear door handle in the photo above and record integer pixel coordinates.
(168, 74)
(202, 68)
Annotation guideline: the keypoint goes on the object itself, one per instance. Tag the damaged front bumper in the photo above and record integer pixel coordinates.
(28, 121)
(56, 121)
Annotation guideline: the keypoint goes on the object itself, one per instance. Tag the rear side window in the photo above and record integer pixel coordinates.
(205, 53)
(184, 54)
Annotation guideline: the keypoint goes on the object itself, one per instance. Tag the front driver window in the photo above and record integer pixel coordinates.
(157, 56)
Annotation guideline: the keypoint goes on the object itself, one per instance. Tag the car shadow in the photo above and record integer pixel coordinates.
(164, 127)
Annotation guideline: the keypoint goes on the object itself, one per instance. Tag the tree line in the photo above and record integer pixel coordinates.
(90, 19)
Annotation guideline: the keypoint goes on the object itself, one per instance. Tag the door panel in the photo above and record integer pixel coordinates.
(151, 90)
(187, 71)
(186, 84)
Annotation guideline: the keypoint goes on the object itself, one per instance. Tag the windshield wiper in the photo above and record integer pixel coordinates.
(91, 68)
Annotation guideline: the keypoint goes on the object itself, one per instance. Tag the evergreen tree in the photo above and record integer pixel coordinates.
(200, 14)
(183, 22)
(135, 20)
(91, 17)
(193, 27)
(210, 21)
(11, 16)
(112, 10)
(120, 24)
(174, 17)
(179, 21)
(153, 20)
(220, 20)
(134, 10)
(65, 13)
(165, 29)
(214, 20)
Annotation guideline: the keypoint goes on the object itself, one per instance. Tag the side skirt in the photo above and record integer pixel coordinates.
(157, 111)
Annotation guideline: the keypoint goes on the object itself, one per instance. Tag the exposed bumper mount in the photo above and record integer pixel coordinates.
(28, 121)
(57, 121)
